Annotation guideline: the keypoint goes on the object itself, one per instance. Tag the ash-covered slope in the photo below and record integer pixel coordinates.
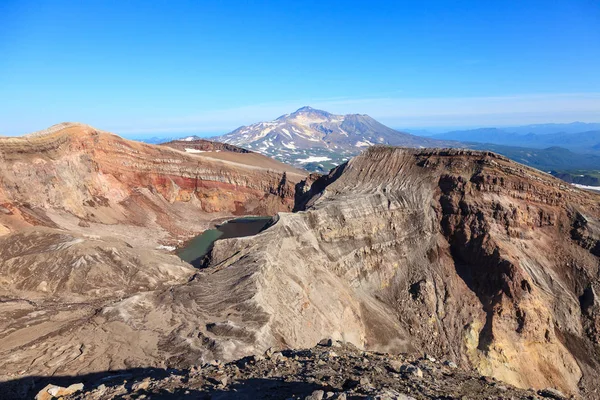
(317, 140)
(462, 254)
(78, 178)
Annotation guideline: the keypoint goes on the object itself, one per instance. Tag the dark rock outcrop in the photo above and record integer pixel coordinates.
(338, 372)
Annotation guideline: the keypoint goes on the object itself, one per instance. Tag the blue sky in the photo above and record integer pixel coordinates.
(153, 67)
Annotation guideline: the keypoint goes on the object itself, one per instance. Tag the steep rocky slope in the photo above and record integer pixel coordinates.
(84, 217)
(79, 178)
(462, 254)
(317, 140)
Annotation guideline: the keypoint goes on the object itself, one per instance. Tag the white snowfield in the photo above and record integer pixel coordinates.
(188, 150)
(314, 159)
(596, 188)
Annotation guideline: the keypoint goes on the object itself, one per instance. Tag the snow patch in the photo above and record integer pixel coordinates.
(313, 159)
(595, 188)
(286, 132)
(188, 150)
(366, 143)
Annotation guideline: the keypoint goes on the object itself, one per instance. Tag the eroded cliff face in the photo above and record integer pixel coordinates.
(82, 213)
(461, 254)
(465, 255)
(74, 175)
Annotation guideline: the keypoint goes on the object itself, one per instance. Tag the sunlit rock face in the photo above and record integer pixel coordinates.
(74, 176)
(464, 255)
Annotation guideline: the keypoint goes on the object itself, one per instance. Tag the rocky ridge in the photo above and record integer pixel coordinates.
(331, 370)
(87, 220)
(72, 176)
(465, 254)
(196, 145)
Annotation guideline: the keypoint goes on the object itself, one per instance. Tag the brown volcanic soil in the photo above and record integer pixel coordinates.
(462, 254)
(76, 177)
(232, 155)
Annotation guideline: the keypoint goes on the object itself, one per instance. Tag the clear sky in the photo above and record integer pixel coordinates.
(152, 67)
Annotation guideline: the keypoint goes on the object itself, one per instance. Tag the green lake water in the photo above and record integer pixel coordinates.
(196, 249)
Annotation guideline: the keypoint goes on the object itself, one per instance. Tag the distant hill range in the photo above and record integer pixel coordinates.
(578, 137)
(317, 140)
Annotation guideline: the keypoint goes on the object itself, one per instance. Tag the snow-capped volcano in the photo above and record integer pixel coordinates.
(315, 139)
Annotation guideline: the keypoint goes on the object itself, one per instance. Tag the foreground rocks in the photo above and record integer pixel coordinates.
(338, 372)
(53, 391)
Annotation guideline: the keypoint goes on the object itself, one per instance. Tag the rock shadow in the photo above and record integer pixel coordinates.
(246, 389)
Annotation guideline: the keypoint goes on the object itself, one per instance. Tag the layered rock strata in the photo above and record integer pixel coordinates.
(465, 255)
(74, 176)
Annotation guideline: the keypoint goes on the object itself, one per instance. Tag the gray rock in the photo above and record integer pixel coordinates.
(316, 395)
(450, 364)
(389, 394)
(552, 393)
(269, 352)
(223, 380)
(328, 354)
(328, 342)
(412, 370)
(395, 366)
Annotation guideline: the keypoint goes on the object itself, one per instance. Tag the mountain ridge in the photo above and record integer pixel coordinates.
(82, 175)
(318, 140)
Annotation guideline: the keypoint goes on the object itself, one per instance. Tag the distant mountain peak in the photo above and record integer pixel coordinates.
(318, 140)
(305, 109)
(312, 111)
